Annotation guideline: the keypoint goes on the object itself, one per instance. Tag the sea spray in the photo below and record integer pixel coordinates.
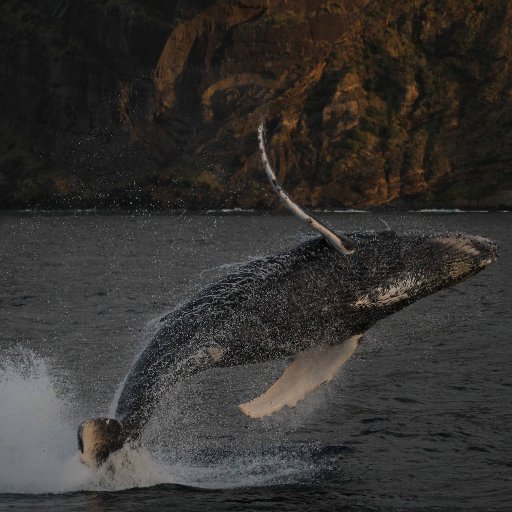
(38, 452)
(259, 466)
(127, 468)
(36, 444)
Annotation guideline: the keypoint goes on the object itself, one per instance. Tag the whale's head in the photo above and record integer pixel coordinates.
(98, 438)
(396, 269)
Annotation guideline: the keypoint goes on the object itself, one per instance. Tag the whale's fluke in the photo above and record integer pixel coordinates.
(308, 372)
(98, 438)
(339, 242)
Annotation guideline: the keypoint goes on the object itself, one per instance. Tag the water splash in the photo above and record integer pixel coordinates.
(38, 439)
(34, 439)
(255, 467)
(38, 446)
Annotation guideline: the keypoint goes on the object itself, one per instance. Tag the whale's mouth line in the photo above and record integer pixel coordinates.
(487, 262)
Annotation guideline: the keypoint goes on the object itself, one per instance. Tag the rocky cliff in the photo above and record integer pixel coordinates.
(137, 103)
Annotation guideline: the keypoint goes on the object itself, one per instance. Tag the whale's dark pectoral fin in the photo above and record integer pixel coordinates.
(308, 372)
(337, 241)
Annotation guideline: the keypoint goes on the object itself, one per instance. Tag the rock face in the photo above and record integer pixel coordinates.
(155, 104)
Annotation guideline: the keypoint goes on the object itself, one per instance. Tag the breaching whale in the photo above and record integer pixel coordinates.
(314, 302)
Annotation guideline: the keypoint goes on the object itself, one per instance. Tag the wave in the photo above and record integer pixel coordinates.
(344, 210)
(230, 210)
(447, 210)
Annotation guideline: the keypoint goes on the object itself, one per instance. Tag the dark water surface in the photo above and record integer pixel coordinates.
(420, 419)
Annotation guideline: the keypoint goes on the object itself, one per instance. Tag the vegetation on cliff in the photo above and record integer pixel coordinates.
(139, 103)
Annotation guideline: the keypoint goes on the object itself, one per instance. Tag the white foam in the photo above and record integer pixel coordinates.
(127, 468)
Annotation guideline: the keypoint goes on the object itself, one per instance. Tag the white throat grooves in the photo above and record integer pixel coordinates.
(389, 293)
(339, 242)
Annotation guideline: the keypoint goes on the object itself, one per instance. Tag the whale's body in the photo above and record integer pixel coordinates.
(286, 304)
(314, 302)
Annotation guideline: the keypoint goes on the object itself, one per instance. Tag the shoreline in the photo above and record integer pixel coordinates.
(241, 211)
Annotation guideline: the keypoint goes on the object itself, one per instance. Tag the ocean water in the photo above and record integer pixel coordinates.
(418, 420)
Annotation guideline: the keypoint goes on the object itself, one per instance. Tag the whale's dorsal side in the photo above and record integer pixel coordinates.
(310, 370)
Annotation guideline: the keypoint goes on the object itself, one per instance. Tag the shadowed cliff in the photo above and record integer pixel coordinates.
(155, 104)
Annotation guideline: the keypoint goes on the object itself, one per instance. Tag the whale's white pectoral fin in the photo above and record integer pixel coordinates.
(309, 371)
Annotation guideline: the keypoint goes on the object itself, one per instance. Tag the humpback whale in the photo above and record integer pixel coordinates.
(314, 302)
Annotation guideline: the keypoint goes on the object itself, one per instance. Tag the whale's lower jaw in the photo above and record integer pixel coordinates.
(98, 438)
